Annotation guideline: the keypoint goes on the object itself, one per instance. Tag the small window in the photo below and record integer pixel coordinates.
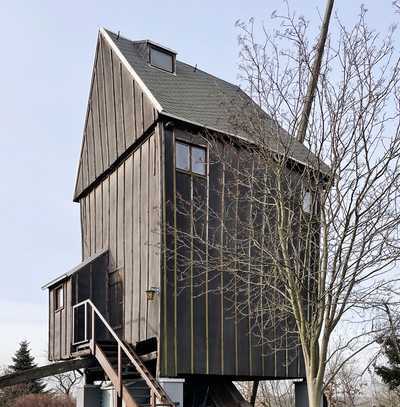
(190, 158)
(182, 156)
(59, 298)
(199, 160)
(162, 59)
(307, 202)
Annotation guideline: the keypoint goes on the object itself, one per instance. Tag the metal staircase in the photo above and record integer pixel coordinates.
(134, 383)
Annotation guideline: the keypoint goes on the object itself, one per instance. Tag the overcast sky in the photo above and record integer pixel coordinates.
(47, 52)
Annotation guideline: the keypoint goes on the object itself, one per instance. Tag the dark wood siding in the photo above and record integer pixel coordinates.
(123, 214)
(206, 324)
(60, 329)
(118, 113)
(87, 282)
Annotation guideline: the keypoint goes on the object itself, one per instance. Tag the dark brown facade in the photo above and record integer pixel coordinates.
(207, 326)
(128, 188)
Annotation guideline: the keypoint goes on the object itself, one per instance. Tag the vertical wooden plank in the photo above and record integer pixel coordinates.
(168, 367)
(84, 163)
(62, 334)
(88, 225)
(154, 233)
(214, 316)
(138, 111)
(96, 127)
(57, 336)
(200, 275)
(119, 110)
(128, 231)
(65, 323)
(98, 192)
(51, 325)
(269, 326)
(229, 207)
(102, 106)
(90, 148)
(92, 203)
(256, 254)
(113, 219)
(79, 180)
(106, 212)
(136, 284)
(128, 103)
(110, 101)
(147, 113)
(85, 243)
(184, 270)
(69, 316)
(242, 308)
(144, 247)
(121, 232)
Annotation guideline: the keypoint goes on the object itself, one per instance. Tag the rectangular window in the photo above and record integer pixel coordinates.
(199, 160)
(161, 59)
(182, 156)
(190, 158)
(59, 298)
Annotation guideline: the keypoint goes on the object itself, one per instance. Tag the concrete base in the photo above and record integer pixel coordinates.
(174, 388)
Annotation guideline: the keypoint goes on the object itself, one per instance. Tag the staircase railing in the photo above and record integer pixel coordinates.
(91, 315)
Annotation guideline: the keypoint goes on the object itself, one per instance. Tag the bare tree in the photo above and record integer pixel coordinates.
(270, 394)
(347, 388)
(316, 239)
(64, 383)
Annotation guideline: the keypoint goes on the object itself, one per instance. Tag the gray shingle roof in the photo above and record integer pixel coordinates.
(198, 97)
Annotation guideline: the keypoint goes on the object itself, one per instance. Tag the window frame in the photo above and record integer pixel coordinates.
(172, 55)
(191, 146)
(57, 306)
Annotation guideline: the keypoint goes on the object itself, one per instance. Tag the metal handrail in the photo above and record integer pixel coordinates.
(155, 387)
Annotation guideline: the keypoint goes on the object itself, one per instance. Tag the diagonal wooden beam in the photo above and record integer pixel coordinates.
(46, 371)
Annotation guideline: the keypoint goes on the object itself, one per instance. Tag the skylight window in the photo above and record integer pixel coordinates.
(162, 59)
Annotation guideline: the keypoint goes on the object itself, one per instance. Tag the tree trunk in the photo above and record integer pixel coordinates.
(314, 393)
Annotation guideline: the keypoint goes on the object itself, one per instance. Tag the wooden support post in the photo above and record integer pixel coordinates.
(45, 371)
(254, 392)
(118, 400)
(119, 370)
(93, 327)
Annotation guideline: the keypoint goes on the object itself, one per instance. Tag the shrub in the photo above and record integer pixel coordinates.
(44, 400)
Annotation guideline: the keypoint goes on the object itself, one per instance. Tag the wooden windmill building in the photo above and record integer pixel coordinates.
(145, 143)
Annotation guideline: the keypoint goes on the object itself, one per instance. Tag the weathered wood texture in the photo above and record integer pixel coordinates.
(118, 113)
(60, 328)
(206, 327)
(46, 371)
(122, 213)
(87, 282)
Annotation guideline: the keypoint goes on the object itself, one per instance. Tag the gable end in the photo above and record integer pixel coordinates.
(120, 110)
